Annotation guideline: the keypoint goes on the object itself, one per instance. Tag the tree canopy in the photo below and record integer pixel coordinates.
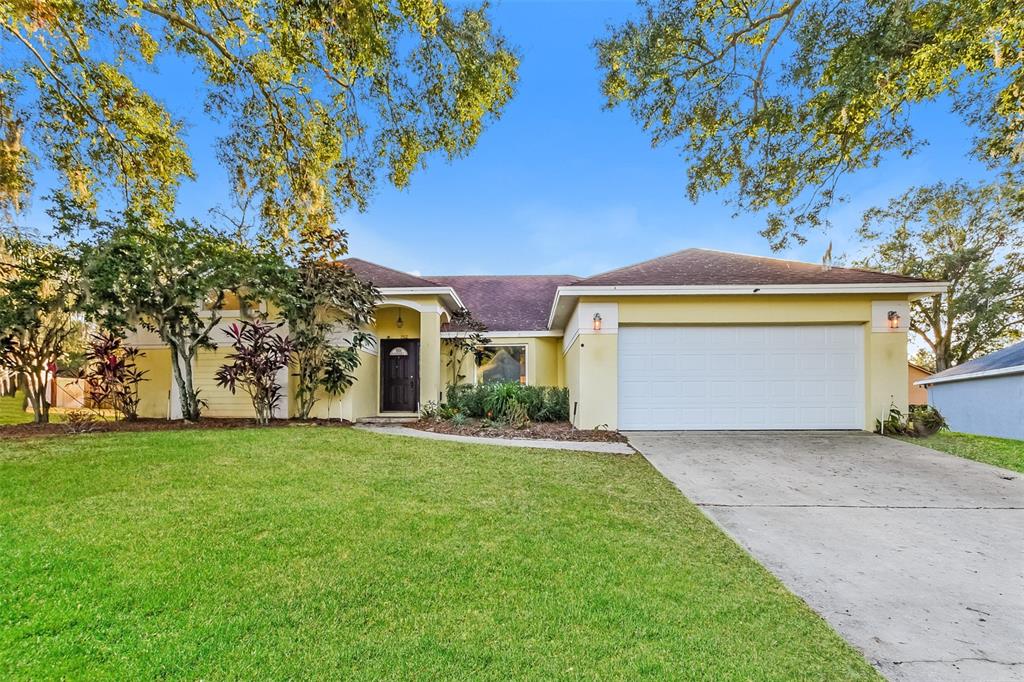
(776, 99)
(967, 236)
(317, 97)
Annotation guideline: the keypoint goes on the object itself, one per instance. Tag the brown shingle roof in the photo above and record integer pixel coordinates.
(385, 278)
(509, 302)
(704, 267)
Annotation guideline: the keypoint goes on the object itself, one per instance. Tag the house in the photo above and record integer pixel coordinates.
(984, 396)
(917, 394)
(697, 339)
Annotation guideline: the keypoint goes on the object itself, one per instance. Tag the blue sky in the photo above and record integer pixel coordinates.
(559, 185)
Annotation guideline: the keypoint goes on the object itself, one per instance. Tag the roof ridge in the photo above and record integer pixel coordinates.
(384, 267)
(801, 262)
(643, 262)
(505, 276)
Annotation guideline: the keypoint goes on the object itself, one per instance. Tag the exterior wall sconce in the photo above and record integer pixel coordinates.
(597, 322)
(399, 323)
(894, 319)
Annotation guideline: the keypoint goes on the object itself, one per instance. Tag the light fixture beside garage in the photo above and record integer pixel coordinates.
(597, 322)
(894, 319)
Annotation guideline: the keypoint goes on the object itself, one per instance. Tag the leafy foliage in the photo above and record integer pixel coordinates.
(922, 421)
(468, 337)
(259, 354)
(777, 99)
(170, 278)
(40, 289)
(316, 97)
(502, 401)
(319, 297)
(111, 373)
(340, 364)
(967, 236)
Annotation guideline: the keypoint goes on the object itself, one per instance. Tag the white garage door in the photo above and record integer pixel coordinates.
(756, 377)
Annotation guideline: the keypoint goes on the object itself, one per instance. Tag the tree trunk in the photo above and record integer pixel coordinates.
(942, 355)
(35, 392)
(181, 370)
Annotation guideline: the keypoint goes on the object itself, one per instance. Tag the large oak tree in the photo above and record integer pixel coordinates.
(316, 97)
(965, 235)
(775, 100)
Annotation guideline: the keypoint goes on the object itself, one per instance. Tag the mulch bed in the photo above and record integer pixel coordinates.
(143, 425)
(534, 430)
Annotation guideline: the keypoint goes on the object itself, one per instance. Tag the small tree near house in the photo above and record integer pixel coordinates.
(168, 277)
(39, 291)
(260, 353)
(468, 337)
(340, 364)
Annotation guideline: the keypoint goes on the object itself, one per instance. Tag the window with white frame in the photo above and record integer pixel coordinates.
(505, 363)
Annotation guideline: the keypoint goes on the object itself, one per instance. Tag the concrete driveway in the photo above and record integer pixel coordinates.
(914, 556)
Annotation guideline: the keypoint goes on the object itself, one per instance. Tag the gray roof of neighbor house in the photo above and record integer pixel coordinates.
(508, 302)
(1009, 360)
(705, 267)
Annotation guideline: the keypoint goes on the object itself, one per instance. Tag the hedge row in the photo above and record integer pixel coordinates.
(501, 400)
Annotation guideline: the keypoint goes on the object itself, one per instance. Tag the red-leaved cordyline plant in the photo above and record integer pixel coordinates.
(111, 374)
(260, 353)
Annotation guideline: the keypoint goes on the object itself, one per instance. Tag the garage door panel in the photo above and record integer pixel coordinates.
(741, 377)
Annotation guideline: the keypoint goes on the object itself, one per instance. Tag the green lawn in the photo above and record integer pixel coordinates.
(1002, 452)
(11, 412)
(320, 553)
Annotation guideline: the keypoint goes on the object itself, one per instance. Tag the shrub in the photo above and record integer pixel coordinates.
(459, 419)
(80, 421)
(429, 410)
(111, 374)
(545, 404)
(556, 405)
(922, 421)
(259, 355)
(467, 399)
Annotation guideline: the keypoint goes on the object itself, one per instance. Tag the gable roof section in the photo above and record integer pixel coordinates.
(705, 267)
(386, 278)
(510, 302)
(1009, 360)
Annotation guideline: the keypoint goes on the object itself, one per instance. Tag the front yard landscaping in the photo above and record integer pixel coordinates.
(1000, 452)
(326, 553)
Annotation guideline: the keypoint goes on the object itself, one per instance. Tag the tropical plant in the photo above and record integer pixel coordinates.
(969, 237)
(318, 298)
(778, 99)
(40, 289)
(314, 98)
(260, 353)
(340, 364)
(111, 373)
(466, 336)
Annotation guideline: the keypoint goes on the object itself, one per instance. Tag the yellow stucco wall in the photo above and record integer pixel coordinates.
(154, 393)
(592, 362)
(220, 402)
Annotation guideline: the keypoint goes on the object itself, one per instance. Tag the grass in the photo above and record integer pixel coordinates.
(314, 553)
(1001, 452)
(11, 412)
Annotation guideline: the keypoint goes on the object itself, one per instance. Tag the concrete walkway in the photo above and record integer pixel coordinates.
(914, 556)
(583, 446)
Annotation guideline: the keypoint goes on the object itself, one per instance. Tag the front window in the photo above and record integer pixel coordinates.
(506, 363)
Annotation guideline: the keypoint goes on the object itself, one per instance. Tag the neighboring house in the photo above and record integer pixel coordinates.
(697, 339)
(984, 396)
(916, 394)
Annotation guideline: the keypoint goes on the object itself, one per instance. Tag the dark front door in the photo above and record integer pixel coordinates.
(399, 374)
